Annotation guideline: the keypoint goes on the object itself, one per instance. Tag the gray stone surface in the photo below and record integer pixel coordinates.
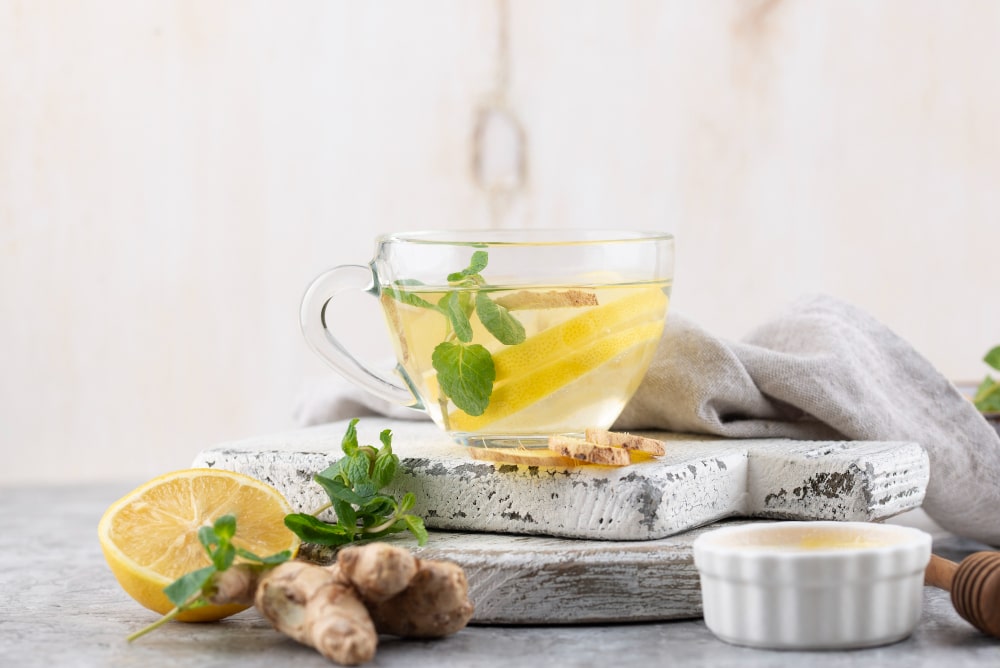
(698, 481)
(61, 607)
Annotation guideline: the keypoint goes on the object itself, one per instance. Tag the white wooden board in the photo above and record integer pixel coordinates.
(539, 580)
(699, 481)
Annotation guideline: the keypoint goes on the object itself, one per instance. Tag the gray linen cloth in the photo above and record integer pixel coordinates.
(822, 369)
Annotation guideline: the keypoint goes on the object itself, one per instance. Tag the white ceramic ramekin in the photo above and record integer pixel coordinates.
(812, 585)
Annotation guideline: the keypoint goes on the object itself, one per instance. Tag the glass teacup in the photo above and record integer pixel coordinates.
(505, 337)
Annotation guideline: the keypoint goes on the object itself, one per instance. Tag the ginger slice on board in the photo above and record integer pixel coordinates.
(592, 453)
(601, 447)
(625, 440)
(522, 456)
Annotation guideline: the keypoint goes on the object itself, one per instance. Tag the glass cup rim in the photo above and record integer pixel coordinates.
(523, 237)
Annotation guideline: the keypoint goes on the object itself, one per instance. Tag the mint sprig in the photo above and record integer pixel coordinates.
(194, 590)
(465, 370)
(354, 483)
(987, 397)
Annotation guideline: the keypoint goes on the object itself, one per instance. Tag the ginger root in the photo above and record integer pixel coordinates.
(310, 604)
(378, 571)
(435, 604)
(432, 603)
(375, 588)
(236, 584)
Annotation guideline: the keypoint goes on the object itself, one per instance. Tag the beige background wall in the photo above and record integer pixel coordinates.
(174, 173)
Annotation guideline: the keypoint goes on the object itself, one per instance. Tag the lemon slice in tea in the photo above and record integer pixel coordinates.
(563, 354)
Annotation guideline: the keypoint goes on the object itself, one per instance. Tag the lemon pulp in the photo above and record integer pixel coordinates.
(150, 536)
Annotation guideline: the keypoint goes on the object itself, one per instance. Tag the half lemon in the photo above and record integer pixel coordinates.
(150, 535)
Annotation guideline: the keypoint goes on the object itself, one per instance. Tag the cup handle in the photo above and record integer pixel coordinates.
(313, 315)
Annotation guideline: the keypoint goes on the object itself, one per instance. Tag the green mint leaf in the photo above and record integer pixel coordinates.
(498, 321)
(416, 527)
(181, 590)
(451, 306)
(369, 451)
(385, 469)
(336, 490)
(987, 398)
(476, 265)
(312, 530)
(248, 555)
(225, 528)
(223, 557)
(466, 374)
(366, 489)
(350, 442)
(377, 509)
(478, 262)
(386, 437)
(208, 539)
(993, 358)
(276, 558)
(409, 298)
(346, 516)
(357, 468)
(408, 501)
(334, 471)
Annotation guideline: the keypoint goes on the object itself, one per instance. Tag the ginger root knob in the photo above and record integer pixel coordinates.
(378, 571)
(314, 606)
(435, 604)
(235, 585)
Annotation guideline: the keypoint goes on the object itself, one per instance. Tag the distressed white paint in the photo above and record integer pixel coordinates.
(174, 172)
(698, 481)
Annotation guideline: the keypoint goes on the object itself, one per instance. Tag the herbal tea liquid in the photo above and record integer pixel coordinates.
(575, 367)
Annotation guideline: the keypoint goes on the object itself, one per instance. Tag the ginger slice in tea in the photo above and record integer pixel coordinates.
(526, 299)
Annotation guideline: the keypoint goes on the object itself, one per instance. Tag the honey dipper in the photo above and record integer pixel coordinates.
(974, 585)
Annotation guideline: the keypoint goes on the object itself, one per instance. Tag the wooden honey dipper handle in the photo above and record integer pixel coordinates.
(974, 585)
(940, 573)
